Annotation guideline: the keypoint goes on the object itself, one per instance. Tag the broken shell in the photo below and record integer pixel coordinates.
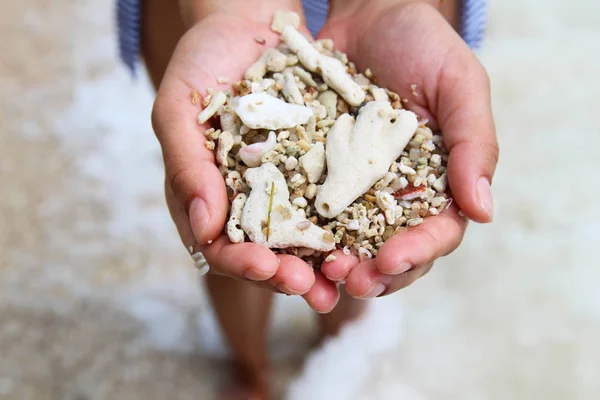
(387, 203)
(313, 162)
(378, 93)
(226, 142)
(360, 152)
(281, 231)
(440, 183)
(411, 192)
(235, 182)
(262, 111)
(230, 123)
(330, 258)
(353, 225)
(291, 163)
(252, 155)
(329, 100)
(216, 101)
(311, 191)
(364, 254)
(234, 229)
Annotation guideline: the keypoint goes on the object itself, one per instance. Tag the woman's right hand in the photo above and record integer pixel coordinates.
(222, 44)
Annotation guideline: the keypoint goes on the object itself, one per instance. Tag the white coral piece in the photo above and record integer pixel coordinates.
(332, 70)
(387, 203)
(230, 122)
(288, 227)
(283, 18)
(234, 180)
(226, 142)
(360, 152)
(329, 100)
(252, 155)
(313, 162)
(271, 60)
(378, 93)
(290, 89)
(304, 76)
(217, 100)
(262, 111)
(234, 229)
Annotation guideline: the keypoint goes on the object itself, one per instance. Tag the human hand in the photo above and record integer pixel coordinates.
(222, 44)
(408, 44)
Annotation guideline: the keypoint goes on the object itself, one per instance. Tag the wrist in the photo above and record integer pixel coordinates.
(193, 11)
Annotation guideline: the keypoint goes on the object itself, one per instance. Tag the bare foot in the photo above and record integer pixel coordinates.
(247, 383)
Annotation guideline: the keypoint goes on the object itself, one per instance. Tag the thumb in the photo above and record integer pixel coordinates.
(466, 120)
(192, 177)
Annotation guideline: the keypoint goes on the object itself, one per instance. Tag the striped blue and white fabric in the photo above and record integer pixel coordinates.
(129, 28)
(473, 24)
(474, 15)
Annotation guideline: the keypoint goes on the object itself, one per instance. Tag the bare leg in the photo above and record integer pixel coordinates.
(243, 312)
(242, 309)
(347, 309)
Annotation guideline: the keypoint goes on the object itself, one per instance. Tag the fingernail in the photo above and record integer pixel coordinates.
(484, 194)
(284, 289)
(375, 290)
(199, 218)
(255, 275)
(200, 263)
(402, 267)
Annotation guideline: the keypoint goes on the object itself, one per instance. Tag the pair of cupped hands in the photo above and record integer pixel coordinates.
(404, 44)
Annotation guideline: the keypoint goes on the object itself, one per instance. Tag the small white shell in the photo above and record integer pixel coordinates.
(252, 155)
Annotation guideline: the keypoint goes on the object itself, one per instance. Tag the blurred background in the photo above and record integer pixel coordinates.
(98, 299)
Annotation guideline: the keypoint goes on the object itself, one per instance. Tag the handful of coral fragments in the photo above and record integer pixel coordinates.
(316, 156)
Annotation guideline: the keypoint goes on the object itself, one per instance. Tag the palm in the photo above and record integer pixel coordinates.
(219, 46)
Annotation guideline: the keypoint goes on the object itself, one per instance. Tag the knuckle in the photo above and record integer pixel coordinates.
(482, 75)
(491, 154)
(494, 152)
(178, 183)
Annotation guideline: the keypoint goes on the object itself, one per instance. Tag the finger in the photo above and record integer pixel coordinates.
(406, 279)
(437, 236)
(293, 276)
(324, 294)
(365, 281)
(466, 121)
(338, 269)
(240, 260)
(191, 174)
